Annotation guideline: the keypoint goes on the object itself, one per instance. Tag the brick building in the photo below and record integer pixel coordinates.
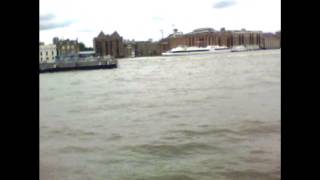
(207, 36)
(109, 45)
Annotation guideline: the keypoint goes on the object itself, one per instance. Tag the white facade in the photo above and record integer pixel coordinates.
(47, 53)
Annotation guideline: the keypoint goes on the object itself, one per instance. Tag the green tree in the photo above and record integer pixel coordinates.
(89, 49)
(82, 47)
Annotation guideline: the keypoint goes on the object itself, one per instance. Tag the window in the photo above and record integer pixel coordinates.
(40, 53)
(52, 53)
(47, 53)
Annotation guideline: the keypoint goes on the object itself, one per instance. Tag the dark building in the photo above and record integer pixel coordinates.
(129, 48)
(278, 34)
(147, 48)
(66, 48)
(112, 45)
(271, 41)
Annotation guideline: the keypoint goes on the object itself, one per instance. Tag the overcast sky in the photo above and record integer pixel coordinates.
(144, 19)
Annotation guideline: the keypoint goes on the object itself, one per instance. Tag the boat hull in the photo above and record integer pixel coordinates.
(195, 53)
(78, 65)
(60, 69)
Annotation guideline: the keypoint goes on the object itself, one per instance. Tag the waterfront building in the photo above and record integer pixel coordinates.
(203, 37)
(66, 48)
(47, 53)
(112, 45)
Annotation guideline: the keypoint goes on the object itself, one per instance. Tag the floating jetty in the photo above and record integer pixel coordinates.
(79, 64)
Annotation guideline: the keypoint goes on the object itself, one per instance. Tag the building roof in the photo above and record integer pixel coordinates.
(101, 34)
(114, 35)
(47, 46)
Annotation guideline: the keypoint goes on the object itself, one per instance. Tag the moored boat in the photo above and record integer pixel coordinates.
(239, 49)
(180, 50)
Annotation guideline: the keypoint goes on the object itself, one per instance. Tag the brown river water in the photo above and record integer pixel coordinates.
(201, 117)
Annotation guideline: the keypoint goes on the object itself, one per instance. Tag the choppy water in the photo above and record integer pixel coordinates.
(164, 118)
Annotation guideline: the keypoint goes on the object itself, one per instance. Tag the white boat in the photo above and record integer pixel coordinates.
(239, 49)
(195, 50)
(219, 49)
(252, 47)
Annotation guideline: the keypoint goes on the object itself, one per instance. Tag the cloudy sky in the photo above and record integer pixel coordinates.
(144, 19)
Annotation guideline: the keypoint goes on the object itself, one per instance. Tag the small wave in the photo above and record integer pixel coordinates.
(75, 82)
(80, 133)
(204, 125)
(250, 174)
(149, 106)
(218, 132)
(182, 124)
(47, 99)
(170, 150)
(75, 149)
(261, 129)
(114, 137)
(175, 116)
(236, 134)
(72, 132)
(255, 159)
(52, 89)
(257, 152)
(166, 177)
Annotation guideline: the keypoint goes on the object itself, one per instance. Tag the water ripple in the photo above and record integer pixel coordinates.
(172, 150)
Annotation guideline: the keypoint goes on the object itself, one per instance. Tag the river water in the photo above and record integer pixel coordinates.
(199, 117)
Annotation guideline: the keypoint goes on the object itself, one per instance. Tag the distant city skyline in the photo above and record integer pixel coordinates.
(143, 19)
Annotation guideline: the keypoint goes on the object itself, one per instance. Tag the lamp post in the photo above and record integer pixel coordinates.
(161, 33)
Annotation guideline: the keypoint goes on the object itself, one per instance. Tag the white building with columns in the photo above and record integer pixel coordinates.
(47, 53)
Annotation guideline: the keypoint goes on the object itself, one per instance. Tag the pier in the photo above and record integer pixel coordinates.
(79, 64)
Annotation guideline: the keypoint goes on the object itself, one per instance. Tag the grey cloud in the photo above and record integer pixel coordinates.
(46, 26)
(224, 4)
(47, 22)
(46, 17)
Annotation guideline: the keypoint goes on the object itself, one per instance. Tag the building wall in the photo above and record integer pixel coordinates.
(147, 48)
(47, 53)
(129, 49)
(270, 43)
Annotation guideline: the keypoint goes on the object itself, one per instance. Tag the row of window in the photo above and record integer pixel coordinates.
(47, 53)
(47, 58)
(67, 47)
